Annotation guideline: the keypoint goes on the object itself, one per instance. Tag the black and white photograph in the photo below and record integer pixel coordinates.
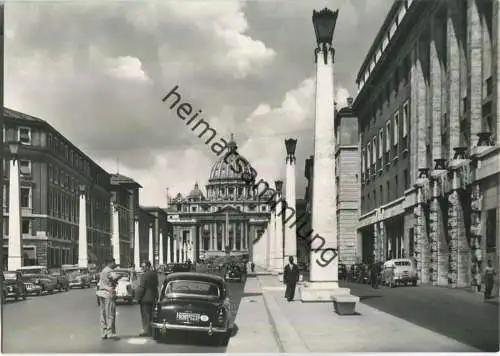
(250, 176)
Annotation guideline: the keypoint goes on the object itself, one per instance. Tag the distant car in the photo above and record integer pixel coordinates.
(13, 285)
(169, 268)
(234, 273)
(194, 303)
(79, 277)
(400, 271)
(62, 280)
(126, 285)
(94, 278)
(45, 282)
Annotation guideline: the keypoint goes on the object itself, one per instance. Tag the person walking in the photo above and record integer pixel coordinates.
(106, 299)
(290, 278)
(489, 279)
(375, 275)
(147, 294)
(252, 267)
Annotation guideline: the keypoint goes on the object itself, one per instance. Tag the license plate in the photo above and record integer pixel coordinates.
(188, 317)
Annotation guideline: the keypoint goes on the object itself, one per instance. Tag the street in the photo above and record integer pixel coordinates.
(455, 313)
(69, 323)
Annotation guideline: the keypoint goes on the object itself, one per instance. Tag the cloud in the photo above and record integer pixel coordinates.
(97, 71)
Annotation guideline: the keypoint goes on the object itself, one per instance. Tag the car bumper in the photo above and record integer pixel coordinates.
(124, 296)
(33, 290)
(76, 284)
(202, 329)
(404, 278)
(11, 294)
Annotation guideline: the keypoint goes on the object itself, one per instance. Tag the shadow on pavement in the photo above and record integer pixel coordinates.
(252, 294)
(364, 297)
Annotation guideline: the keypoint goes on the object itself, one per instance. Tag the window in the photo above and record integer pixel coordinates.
(56, 176)
(24, 135)
(396, 129)
(388, 191)
(369, 152)
(374, 197)
(25, 167)
(380, 142)
(50, 172)
(25, 226)
(406, 114)
(363, 152)
(406, 179)
(4, 134)
(491, 230)
(374, 152)
(25, 197)
(396, 185)
(381, 193)
(388, 136)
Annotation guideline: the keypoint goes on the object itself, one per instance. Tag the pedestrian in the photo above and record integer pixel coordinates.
(290, 278)
(374, 275)
(106, 299)
(252, 266)
(489, 278)
(147, 295)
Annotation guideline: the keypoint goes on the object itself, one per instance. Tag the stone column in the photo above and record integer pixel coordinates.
(115, 234)
(421, 234)
(211, 238)
(323, 242)
(160, 252)
(279, 228)
(234, 236)
(290, 229)
(175, 257)
(454, 97)
(82, 229)
(150, 244)
(137, 250)
(477, 231)
(169, 248)
(15, 256)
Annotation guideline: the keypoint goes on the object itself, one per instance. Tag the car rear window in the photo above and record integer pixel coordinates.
(402, 263)
(200, 288)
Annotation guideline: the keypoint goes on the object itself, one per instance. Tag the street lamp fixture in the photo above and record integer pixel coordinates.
(14, 148)
(279, 186)
(324, 22)
(82, 188)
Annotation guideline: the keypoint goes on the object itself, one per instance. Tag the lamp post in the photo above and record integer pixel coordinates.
(290, 230)
(82, 228)
(278, 259)
(15, 256)
(323, 242)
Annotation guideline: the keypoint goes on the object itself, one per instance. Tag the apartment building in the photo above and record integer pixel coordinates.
(347, 163)
(51, 170)
(429, 120)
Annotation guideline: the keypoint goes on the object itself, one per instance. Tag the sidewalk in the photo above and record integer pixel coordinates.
(315, 327)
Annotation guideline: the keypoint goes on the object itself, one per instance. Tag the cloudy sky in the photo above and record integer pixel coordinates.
(97, 72)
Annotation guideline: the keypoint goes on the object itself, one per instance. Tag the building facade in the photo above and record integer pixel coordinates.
(429, 123)
(228, 218)
(348, 181)
(162, 231)
(51, 170)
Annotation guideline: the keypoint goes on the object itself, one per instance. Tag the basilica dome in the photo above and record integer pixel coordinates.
(196, 194)
(230, 166)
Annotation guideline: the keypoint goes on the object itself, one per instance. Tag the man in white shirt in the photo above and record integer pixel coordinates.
(107, 302)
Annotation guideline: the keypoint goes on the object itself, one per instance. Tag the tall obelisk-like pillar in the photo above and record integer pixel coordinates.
(272, 240)
(15, 256)
(323, 241)
(83, 259)
(137, 251)
(279, 226)
(290, 227)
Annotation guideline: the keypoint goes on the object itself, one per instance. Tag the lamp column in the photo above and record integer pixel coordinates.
(323, 241)
(15, 256)
(278, 211)
(290, 231)
(82, 229)
(137, 251)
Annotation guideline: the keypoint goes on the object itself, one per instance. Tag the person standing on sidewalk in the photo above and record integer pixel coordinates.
(489, 279)
(106, 299)
(290, 278)
(146, 295)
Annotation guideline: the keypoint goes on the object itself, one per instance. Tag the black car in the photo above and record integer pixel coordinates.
(62, 280)
(234, 272)
(194, 303)
(13, 285)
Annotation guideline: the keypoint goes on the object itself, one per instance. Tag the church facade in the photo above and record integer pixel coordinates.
(227, 217)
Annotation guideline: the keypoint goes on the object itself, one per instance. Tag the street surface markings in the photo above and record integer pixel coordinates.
(138, 341)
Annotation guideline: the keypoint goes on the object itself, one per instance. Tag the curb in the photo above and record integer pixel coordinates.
(288, 338)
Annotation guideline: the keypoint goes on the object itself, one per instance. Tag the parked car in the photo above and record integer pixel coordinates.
(127, 284)
(194, 303)
(169, 268)
(234, 273)
(78, 276)
(400, 271)
(62, 281)
(13, 285)
(45, 282)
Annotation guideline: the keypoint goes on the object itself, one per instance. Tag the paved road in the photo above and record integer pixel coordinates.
(69, 323)
(458, 314)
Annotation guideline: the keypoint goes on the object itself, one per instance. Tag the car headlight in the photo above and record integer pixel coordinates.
(36, 281)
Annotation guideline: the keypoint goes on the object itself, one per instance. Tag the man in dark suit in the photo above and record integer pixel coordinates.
(146, 295)
(290, 278)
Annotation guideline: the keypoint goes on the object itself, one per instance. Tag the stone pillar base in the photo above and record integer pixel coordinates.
(321, 292)
(14, 263)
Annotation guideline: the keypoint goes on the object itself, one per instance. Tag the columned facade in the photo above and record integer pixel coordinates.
(435, 189)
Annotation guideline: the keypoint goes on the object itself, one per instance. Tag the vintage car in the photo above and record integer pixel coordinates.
(234, 272)
(13, 285)
(193, 302)
(78, 277)
(126, 284)
(400, 271)
(169, 268)
(38, 280)
(62, 280)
